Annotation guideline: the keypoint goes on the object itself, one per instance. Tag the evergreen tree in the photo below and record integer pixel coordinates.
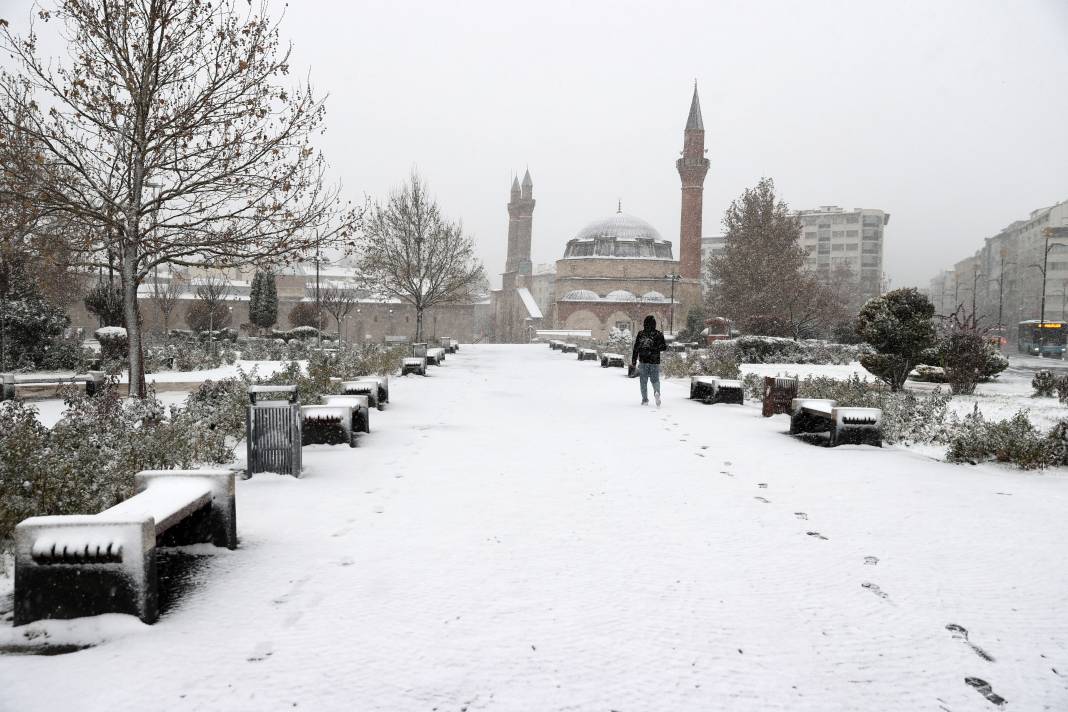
(263, 301)
(899, 326)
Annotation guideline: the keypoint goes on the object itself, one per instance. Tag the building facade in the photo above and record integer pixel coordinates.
(837, 240)
(1004, 277)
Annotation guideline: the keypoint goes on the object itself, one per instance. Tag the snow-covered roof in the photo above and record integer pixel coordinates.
(581, 295)
(620, 295)
(654, 296)
(528, 301)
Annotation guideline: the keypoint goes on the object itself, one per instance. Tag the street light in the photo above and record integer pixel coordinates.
(1048, 232)
(674, 278)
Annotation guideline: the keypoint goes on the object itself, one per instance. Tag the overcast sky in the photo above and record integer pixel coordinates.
(950, 115)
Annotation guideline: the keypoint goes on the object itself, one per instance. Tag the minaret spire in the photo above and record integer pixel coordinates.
(694, 122)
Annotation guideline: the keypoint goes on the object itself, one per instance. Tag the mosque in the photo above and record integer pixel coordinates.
(614, 271)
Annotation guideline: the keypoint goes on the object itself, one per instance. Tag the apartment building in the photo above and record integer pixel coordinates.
(1005, 275)
(836, 239)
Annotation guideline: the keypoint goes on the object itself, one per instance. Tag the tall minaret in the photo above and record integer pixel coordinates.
(526, 219)
(513, 227)
(692, 169)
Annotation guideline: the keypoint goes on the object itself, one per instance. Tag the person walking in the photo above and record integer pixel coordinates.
(647, 347)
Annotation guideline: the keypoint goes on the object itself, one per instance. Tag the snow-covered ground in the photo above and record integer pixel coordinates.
(517, 533)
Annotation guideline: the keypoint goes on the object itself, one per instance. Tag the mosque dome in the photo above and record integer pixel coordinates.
(620, 235)
(581, 295)
(620, 295)
(654, 296)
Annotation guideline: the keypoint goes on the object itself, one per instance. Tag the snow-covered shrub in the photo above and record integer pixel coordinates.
(968, 359)
(1043, 382)
(65, 355)
(23, 465)
(898, 326)
(1015, 441)
(303, 332)
(1060, 386)
(706, 362)
(113, 349)
(770, 349)
(620, 341)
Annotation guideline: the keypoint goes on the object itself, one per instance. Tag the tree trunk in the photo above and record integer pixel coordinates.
(134, 351)
(418, 324)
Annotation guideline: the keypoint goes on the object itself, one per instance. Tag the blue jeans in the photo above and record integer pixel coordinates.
(647, 372)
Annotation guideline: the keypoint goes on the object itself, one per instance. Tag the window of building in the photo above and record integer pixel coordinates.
(838, 219)
(873, 220)
(824, 235)
(824, 249)
(852, 247)
(825, 226)
(870, 249)
(810, 220)
(1057, 266)
(837, 233)
(838, 247)
(810, 236)
(852, 219)
(851, 233)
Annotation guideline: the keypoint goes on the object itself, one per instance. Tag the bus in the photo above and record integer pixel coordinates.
(1042, 338)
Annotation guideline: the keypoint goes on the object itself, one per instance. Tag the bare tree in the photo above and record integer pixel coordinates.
(339, 302)
(410, 251)
(166, 297)
(210, 310)
(171, 135)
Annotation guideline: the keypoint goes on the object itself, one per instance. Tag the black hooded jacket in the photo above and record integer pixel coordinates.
(649, 343)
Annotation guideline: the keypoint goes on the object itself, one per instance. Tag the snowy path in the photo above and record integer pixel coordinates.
(518, 534)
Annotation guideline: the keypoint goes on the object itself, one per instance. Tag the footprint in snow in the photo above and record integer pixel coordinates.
(724, 472)
(984, 689)
(379, 509)
(817, 535)
(699, 454)
(262, 651)
(761, 499)
(871, 560)
(800, 515)
(762, 485)
(874, 588)
(961, 633)
(727, 463)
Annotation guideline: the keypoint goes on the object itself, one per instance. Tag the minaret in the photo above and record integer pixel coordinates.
(525, 227)
(513, 227)
(692, 169)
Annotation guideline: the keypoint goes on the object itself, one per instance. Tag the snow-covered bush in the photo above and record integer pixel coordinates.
(303, 332)
(1061, 387)
(1015, 441)
(113, 350)
(65, 355)
(620, 341)
(898, 326)
(928, 374)
(23, 465)
(709, 362)
(1043, 382)
(968, 359)
(770, 349)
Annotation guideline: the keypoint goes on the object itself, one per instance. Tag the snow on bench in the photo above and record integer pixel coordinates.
(587, 354)
(569, 348)
(85, 565)
(435, 355)
(413, 364)
(555, 345)
(712, 389)
(327, 425)
(609, 360)
(39, 385)
(845, 425)
(383, 386)
(361, 412)
(449, 344)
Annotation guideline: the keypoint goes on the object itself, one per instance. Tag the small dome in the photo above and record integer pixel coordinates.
(620, 295)
(581, 295)
(654, 296)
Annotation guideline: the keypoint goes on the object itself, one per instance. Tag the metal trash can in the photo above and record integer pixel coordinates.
(273, 430)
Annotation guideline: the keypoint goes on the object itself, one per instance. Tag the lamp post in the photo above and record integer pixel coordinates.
(1048, 232)
(671, 310)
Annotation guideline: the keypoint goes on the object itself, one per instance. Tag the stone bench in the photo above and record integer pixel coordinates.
(779, 393)
(862, 426)
(449, 344)
(413, 364)
(33, 385)
(712, 389)
(435, 355)
(361, 410)
(587, 354)
(327, 425)
(86, 565)
(368, 388)
(555, 345)
(613, 361)
(569, 348)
